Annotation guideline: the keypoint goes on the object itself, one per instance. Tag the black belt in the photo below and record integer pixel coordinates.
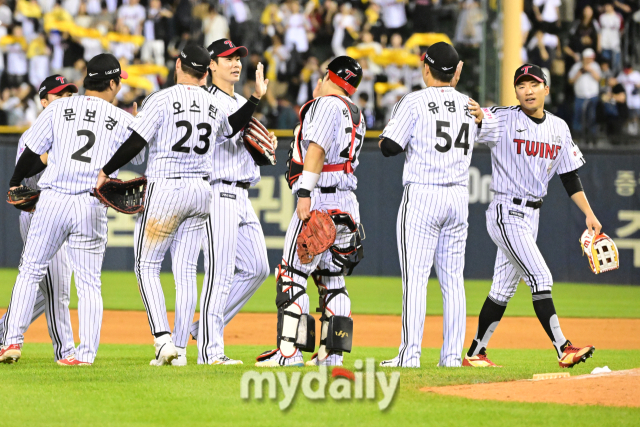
(535, 205)
(243, 185)
(328, 190)
(206, 178)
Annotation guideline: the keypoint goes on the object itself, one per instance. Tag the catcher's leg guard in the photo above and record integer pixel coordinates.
(337, 331)
(295, 329)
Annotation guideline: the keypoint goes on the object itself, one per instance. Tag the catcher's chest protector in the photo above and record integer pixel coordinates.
(295, 163)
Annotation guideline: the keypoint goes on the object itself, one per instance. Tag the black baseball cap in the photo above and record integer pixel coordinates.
(196, 57)
(55, 84)
(104, 67)
(225, 47)
(531, 71)
(442, 57)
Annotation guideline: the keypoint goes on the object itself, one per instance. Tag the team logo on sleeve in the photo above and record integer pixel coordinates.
(488, 114)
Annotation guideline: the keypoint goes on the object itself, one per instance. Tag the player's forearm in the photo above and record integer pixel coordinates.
(580, 199)
(240, 118)
(27, 159)
(389, 147)
(127, 151)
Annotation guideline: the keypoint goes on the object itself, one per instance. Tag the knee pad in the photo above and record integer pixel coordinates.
(295, 329)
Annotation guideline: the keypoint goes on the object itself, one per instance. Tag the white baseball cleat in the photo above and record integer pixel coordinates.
(330, 360)
(181, 360)
(274, 359)
(224, 360)
(165, 351)
(391, 363)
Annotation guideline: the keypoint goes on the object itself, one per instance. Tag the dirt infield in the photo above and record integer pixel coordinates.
(618, 388)
(132, 327)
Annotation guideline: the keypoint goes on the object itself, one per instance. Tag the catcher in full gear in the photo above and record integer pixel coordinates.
(322, 240)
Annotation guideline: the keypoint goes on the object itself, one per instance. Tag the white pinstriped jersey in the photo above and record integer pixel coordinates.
(328, 124)
(231, 160)
(180, 124)
(437, 131)
(81, 133)
(524, 154)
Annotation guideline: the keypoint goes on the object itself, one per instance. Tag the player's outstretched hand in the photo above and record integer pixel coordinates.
(593, 224)
(476, 111)
(102, 178)
(456, 76)
(134, 112)
(274, 140)
(261, 82)
(304, 208)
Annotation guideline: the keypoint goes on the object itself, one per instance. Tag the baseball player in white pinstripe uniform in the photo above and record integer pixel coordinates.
(436, 128)
(79, 133)
(235, 252)
(180, 124)
(322, 166)
(58, 277)
(528, 147)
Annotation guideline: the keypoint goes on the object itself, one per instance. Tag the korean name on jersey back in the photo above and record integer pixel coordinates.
(526, 153)
(180, 123)
(436, 129)
(80, 133)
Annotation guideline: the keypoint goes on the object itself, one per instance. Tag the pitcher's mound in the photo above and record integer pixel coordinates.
(618, 388)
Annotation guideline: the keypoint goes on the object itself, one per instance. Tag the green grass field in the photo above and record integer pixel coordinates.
(383, 295)
(122, 390)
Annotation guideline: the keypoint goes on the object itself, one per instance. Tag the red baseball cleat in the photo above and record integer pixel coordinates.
(573, 355)
(72, 361)
(10, 353)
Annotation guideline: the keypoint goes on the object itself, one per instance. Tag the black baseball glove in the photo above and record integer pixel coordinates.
(23, 198)
(123, 196)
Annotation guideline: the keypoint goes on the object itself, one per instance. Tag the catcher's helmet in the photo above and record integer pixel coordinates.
(346, 73)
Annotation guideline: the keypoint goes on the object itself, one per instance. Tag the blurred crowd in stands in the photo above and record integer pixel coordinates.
(591, 62)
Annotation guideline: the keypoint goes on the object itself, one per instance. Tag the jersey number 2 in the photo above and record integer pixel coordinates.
(462, 141)
(78, 155)
(180, 148)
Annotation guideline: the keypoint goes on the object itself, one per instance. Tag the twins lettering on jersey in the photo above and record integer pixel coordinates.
(540, 149)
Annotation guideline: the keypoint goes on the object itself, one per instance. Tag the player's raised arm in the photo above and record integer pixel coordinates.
(239, 119)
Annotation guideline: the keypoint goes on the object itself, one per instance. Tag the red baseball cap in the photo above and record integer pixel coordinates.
(531, 71)
(225, 47)
(55, 84)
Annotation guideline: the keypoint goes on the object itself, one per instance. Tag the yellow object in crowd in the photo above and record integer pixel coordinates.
(426, 39)
(28, 9)
(265, 18)
(7, 40)
(139, 82)
(146, 69)
(361, 52)
(57, 16)
(37, 47)
(398, 57)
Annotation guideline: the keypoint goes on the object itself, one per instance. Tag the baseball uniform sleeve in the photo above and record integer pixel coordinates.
(493, 126)
(402, 123)
(123, 133)
(570, 157)
(321, 122)
(149, 118)
(39, 137)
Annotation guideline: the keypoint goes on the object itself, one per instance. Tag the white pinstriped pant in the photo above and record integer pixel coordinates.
(174, 217)
(432, 226)
(81, 221)
(56, 285)
(341, 304)
(514, 229)
(235, 265)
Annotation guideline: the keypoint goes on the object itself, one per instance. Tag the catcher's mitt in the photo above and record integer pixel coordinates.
(317, 235)
(123, 196)
(258, 142)
(601, 251)
(23, 198)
